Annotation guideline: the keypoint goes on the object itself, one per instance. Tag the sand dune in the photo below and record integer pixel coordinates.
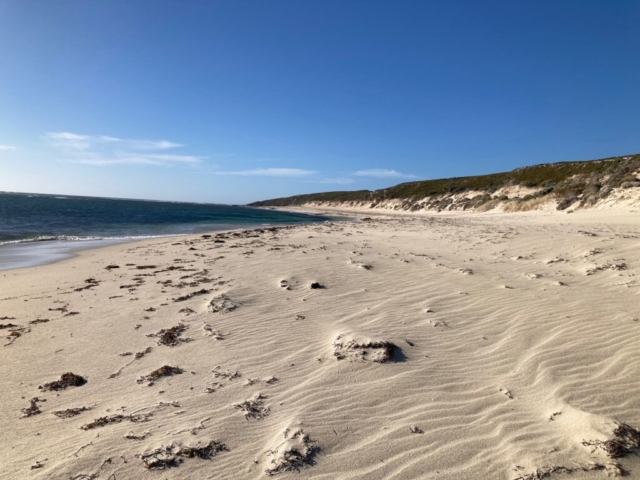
(498, 346)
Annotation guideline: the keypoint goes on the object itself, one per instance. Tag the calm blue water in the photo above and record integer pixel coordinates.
(28, 217)
(36, 229)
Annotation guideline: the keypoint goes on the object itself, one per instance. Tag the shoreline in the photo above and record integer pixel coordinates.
(434, 346)
(34, 254)
(52, 251)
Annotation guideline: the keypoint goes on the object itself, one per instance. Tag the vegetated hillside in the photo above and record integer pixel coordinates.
(564, 184)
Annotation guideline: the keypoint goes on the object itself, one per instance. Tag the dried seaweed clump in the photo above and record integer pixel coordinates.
(376, 351)
(66, 380)
(141, 354)
(173, 455)
(254, 407)
(89, 283)
(70, 412)
(161, 458)
(170, 337)
(296, 452)
(183, 298)
(625, 440)
(33, 408)
(546, 472)
(616, 267)
(205, 452)
(222, 304)
(14, 334)
(108, 420)
(39, 320)
(164, 371)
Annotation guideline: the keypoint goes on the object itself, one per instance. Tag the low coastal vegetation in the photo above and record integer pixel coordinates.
(565, 184)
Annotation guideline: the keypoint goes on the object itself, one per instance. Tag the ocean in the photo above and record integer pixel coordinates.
(37, 229)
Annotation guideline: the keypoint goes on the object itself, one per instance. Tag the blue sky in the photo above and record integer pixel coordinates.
(235, 101)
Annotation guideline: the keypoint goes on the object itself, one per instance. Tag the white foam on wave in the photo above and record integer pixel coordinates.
(74, 238)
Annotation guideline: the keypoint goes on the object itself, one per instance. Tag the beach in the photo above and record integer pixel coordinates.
(400, 346)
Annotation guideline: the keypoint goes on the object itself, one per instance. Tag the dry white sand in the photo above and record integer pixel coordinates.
(517, 353)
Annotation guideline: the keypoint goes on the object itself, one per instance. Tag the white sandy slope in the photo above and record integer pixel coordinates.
(501, 373)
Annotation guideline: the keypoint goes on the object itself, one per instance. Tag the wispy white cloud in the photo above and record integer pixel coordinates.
(105, 150)
(68, 136)
(68, 140)
(131, 159)
(382, 173)
(104, 162)
(7, 147)
(270, 172)
(335, 181)
(173, 158)
(152, 144)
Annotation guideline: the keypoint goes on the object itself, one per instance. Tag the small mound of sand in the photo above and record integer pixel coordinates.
(296, 452)
(376, 351)
(625, 441)
(222, 304)
(212, 332)
(228, 374)
(364, 266)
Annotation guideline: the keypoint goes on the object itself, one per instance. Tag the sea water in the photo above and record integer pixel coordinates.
(37, 229)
